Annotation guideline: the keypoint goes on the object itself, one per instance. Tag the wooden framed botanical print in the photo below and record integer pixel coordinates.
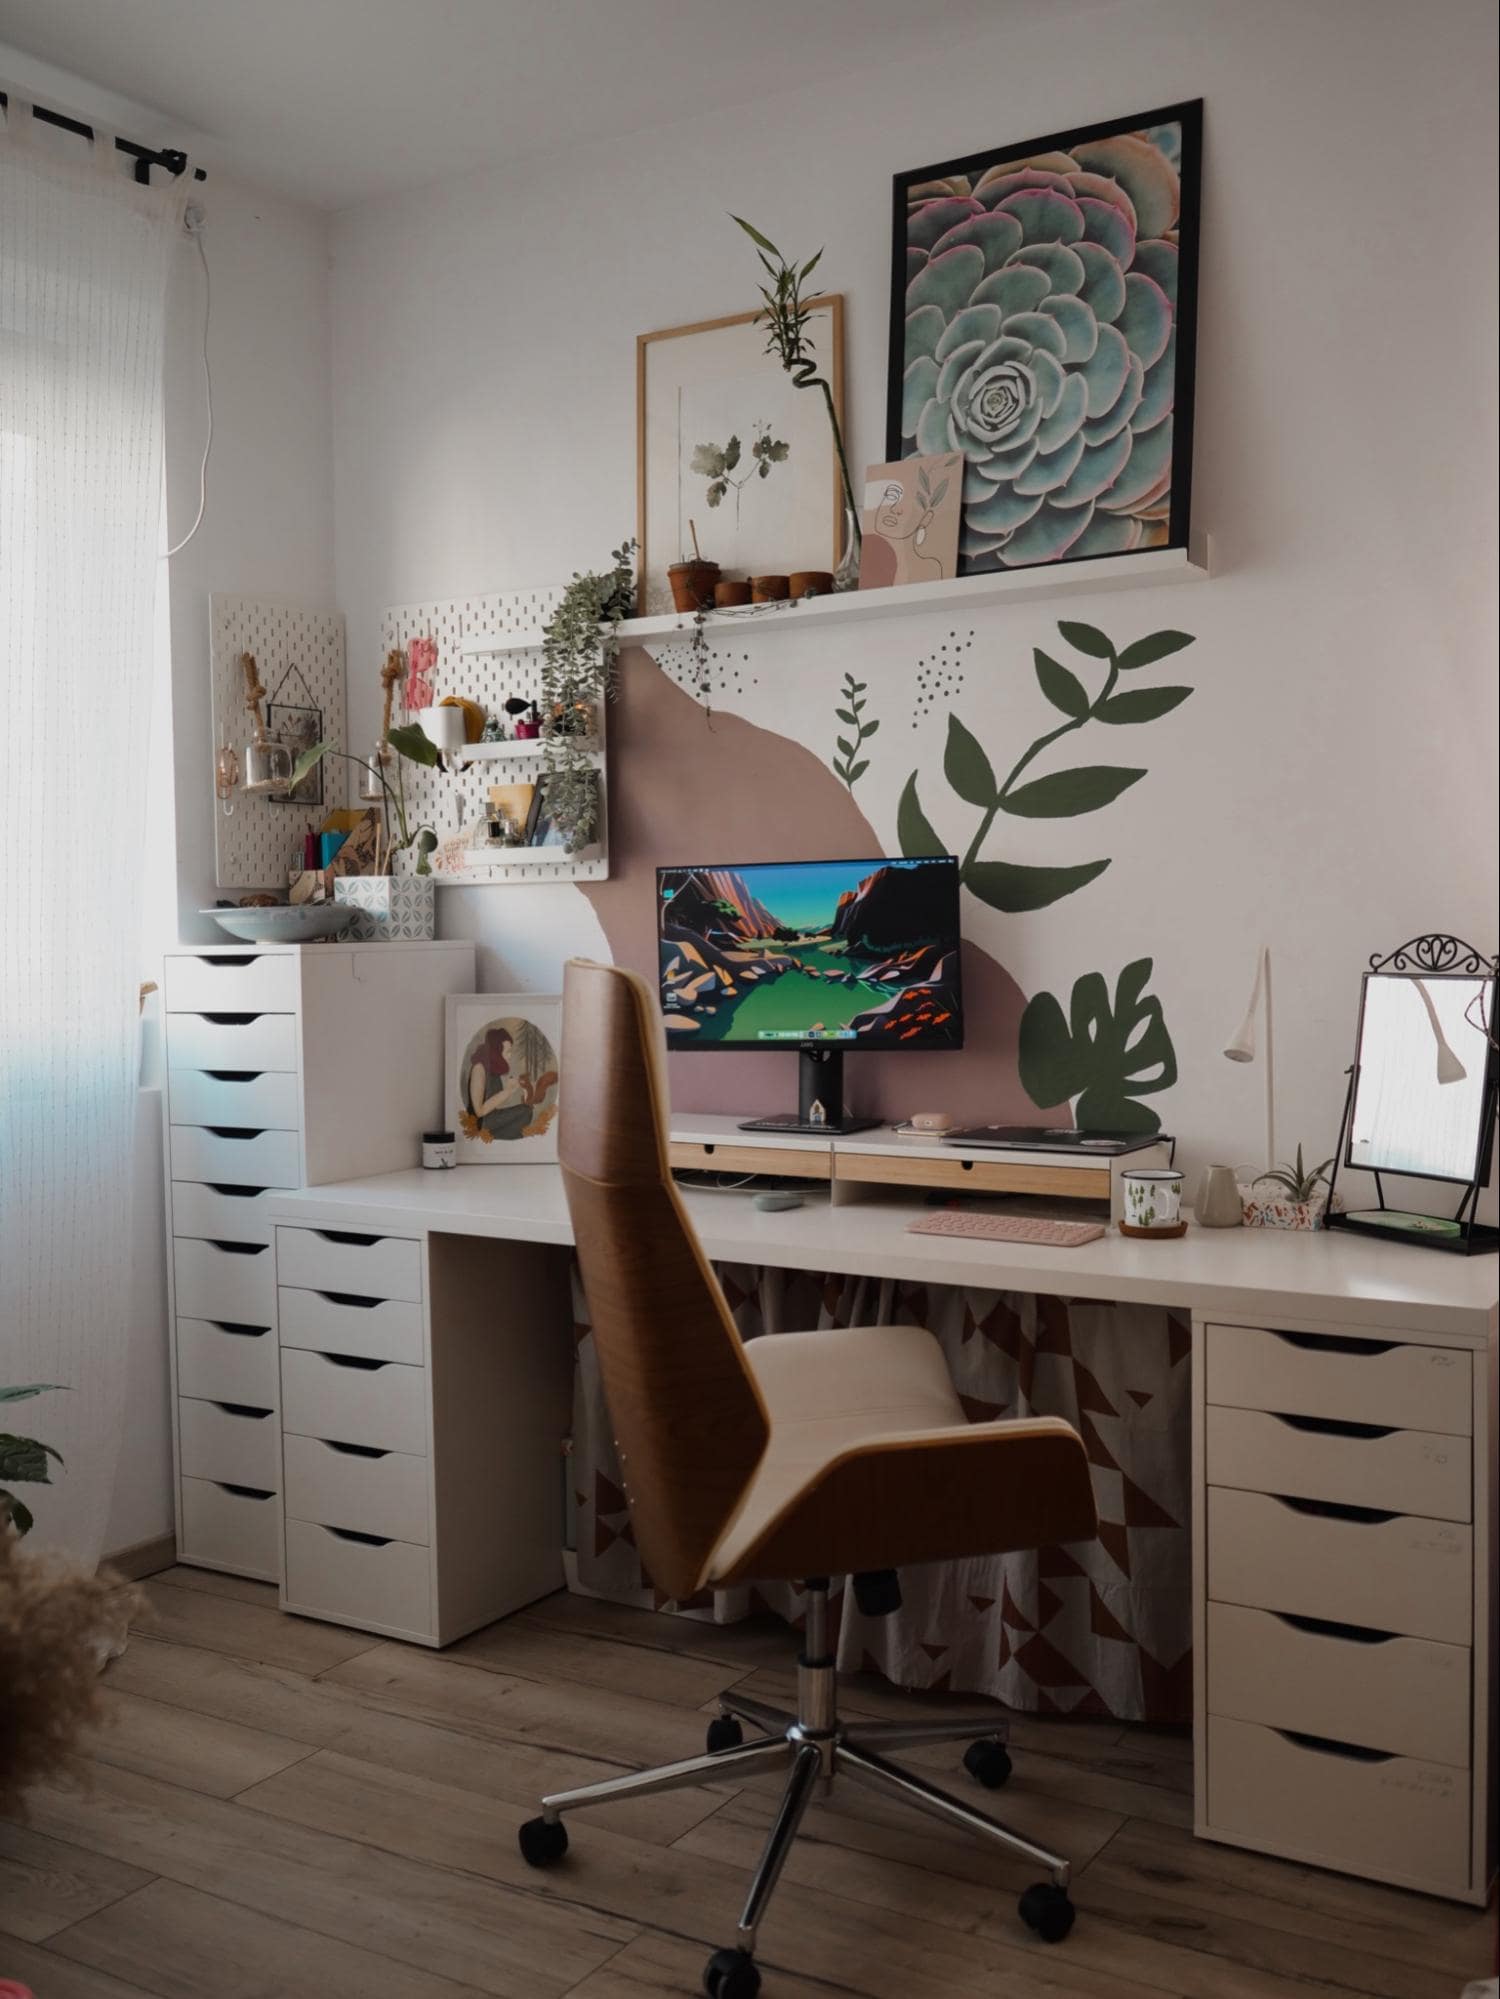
(725, 440)
(1043, 312)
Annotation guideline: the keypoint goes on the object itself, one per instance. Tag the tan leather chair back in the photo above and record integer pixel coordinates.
(689, 1422)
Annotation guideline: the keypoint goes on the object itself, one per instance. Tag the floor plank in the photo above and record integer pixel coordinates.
(45, 1885)
(256, 1631)
(209, 1582)
(214, 1755)
(754, 1641)
(179, 1943)
(52, 1977)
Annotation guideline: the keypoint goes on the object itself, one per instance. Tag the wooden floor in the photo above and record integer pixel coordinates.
(280, 1809)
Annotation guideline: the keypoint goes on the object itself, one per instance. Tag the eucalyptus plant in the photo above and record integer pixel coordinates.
(579, 646)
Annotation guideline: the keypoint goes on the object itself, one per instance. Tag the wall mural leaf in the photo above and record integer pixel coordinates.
(1155, 646)
(1068, 792)
(1087, 639)
(1107, 1055)
(967, 768)
(848, 764)
(1008, 886)
(1062, 688)
(913, 830)
(1141, 704)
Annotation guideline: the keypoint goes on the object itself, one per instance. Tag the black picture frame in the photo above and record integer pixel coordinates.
(1189, 117)
(300, 735)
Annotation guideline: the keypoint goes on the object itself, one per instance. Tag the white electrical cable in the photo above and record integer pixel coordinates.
(193, 222)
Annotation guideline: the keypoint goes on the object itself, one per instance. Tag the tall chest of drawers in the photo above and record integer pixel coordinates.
(286, 1066)
(1344, 1510)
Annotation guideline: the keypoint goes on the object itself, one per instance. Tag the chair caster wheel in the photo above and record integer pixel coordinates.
(731, 1974)
(989, 1762)
(724, 1732)
(542, 1842)
(1046, 1909)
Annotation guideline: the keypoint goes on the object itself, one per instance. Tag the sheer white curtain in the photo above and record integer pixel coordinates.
(83, 265)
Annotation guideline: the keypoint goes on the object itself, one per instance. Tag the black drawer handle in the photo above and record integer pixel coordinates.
(244, 1491)
(353, 1360)
(232, 1191)
(231, 964)
(230, 1019)
(235, 1130)
(245, 1409)
(1328, 1426)
(365, 1540)
(1326, 1627)
(235, 1075)
(1326, 1746)
(242, 1331)
(239, 1248)
(350, 1236)
(1368, 1516)
(351, 1298)
(1334, 1343)
(352, 1450)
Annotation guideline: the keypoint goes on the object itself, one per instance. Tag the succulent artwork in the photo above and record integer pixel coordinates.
(720, 463)
(1012, 886)
(1107, 1054)
(848, 763)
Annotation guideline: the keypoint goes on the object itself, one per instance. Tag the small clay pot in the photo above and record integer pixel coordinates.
(769, 589)
(693, 584)
(811, 583)
(727, 594)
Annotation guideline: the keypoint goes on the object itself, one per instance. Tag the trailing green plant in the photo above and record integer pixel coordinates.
(580, 642)
(23, 1461)
(785, 316)
(1299, 1182)
(411, 746)
(848, 764)
(1105, 1054)
(1060, 794)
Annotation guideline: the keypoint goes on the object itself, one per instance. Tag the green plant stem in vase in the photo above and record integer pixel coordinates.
(410, 745)
(785, 315)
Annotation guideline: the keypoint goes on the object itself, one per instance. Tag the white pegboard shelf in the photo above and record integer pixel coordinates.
(1147, 568)
(524, 857)
(528, 752)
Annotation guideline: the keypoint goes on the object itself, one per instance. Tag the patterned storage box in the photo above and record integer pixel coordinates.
(388, 906)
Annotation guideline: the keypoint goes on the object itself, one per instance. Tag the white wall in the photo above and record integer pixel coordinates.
(1329, 788)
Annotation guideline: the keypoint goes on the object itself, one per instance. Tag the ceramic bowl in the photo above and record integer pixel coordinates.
(285, 923)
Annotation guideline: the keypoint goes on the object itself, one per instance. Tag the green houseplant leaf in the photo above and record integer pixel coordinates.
(1106, 1054)
(1065, 793)
(913, 831)
(1155, 646)
(966, 766)
(1008, 886)
(32, 1388)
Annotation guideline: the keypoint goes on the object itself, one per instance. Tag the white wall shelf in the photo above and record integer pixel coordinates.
(524, 752)
(1148, 568)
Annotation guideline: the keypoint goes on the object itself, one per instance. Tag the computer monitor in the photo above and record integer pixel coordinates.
(820, 957)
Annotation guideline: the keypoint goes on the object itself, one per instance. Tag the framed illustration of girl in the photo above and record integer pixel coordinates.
(504, 1076)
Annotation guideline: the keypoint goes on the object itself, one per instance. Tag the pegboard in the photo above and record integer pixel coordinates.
(258, 841)
(451, 805)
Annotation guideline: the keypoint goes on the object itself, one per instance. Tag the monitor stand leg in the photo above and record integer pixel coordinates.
(820, 1091)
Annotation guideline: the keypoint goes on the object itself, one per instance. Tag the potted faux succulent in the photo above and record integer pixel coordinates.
(1287, 1196)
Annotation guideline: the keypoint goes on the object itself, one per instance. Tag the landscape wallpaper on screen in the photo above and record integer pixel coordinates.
(850, 951)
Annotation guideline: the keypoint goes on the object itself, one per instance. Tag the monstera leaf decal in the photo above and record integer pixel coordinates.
(1106, 1056)
(1012, 886)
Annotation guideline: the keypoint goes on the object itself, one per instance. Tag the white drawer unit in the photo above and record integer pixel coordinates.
(368, 1266)
(354, 1401)
(374, 1581)
(269, 1054)
(349, 1485)
(1343, 1600)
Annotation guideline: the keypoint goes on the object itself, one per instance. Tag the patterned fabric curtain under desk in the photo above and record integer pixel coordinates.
(1100, 1628)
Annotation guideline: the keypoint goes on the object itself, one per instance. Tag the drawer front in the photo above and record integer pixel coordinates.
(351, 1402)
(336, 1260)
(1402, 1471)
(338, 1322)
(234, 1158)
(223, 1214)
(227, 1363)
(1396, 1815)
(229, 1527)
(1353, 1381)
(268, 1101)
(1399, 1574)
(790, 1161)
(221, 983)
(382, 1493)
(370, 1582)
(1406, 1695)
(235, 1282)
(978, 1176)
(229, 1441)
(232, 1041)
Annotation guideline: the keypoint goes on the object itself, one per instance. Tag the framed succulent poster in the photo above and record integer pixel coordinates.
(725, 440)
(504, 1071)
(1043, 309)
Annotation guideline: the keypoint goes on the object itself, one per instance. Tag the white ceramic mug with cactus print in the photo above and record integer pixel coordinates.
(1153, 1197)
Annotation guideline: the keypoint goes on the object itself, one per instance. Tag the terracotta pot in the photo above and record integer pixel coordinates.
(811, 582)
(769, 589)
(693, 584)
(726, 594)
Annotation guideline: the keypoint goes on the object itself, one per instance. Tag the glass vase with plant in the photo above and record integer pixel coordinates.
(579, 645)
(407, 744)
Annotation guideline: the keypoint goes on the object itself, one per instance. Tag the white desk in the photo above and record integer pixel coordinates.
(1344, 1477)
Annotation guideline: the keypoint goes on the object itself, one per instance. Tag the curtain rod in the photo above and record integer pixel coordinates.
(145, 157)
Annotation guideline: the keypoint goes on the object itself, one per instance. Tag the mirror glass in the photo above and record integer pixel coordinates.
(1422, 1057)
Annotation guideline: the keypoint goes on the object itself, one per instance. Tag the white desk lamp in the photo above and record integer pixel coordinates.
(1449, 1068)
(1242, 1047)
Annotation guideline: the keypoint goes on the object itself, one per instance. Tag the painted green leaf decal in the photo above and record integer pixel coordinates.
(1107, 1055)
(868, 729)
(1086, 638)
(1007, 886)
(1067, 792)
(1155, 646)
(856, 772)
(912, 829)
(844, 715)
(1063, 689)
(966, 766)
(843, 744)
(1141, 704)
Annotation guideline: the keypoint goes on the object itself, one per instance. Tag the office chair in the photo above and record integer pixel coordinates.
(793, 1458)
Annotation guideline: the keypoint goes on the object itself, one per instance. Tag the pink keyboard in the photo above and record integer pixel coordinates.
(1006, 1228)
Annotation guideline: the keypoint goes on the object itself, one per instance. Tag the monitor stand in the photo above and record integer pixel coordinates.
(820, 1099)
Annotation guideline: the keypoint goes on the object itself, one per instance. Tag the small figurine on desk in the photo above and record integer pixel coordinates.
(494, 730)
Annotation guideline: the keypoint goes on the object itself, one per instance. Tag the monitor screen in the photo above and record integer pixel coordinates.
(801, 954)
